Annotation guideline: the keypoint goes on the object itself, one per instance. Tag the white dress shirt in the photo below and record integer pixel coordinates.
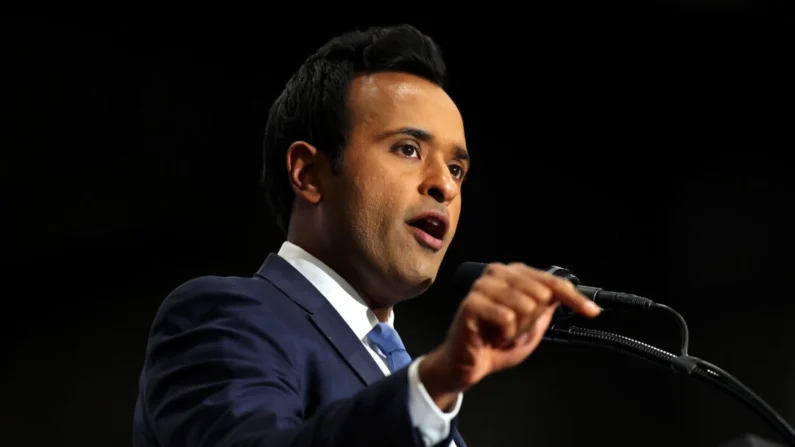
(433, 423)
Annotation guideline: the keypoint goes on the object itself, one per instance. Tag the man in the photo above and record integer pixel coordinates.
(364, 159)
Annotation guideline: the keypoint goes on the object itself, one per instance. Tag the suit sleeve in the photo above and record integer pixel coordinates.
(214, 378)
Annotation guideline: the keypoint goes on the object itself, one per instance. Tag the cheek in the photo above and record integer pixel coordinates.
(365, 199)
(380, 197)
(455, 215)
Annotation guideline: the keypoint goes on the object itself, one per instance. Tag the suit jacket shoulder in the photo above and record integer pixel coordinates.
(232, 303)
(263, 361)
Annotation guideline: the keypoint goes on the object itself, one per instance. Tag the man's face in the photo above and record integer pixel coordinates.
(405, 160)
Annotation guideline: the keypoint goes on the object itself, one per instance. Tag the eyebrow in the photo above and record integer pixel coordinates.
(423, 135)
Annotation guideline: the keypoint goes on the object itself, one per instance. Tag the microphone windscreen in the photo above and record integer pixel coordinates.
(465, 275)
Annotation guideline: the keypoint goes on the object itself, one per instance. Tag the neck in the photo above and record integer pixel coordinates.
(382, 314)
(341, 268)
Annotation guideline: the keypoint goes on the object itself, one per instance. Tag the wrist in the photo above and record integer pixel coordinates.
(435, 375)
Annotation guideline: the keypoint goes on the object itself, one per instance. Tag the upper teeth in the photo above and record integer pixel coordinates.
(433, 221)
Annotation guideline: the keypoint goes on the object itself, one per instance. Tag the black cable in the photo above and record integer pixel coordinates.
(691, 365)
(741, 388)
(682, 325)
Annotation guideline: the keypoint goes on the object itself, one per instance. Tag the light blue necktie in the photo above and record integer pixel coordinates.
(388, 341)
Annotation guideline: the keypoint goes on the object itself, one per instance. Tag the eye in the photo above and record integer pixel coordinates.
(457, 171)
(408, 150)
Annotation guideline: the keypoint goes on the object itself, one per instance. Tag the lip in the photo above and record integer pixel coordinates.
(425, 238)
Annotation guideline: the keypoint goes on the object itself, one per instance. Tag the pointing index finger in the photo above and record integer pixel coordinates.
(567, 294)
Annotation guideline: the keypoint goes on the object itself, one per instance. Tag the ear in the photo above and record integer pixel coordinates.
(304, 164)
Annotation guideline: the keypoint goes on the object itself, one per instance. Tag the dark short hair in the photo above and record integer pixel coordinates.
(313, 105)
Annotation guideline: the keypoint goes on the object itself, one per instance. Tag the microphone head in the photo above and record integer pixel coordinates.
(465, 275)
(564, 273)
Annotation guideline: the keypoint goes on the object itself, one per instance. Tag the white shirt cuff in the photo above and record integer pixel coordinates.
(432, 422)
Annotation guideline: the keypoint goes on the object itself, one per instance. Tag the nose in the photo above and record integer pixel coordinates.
(439, 183)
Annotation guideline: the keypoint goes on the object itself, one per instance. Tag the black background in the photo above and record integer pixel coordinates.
(646, 148)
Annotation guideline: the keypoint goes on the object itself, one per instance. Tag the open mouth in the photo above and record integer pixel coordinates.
(430, 228)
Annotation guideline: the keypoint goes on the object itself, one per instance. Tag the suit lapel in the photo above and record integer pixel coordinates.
(292, 283)
(345, 342)
(336, 331)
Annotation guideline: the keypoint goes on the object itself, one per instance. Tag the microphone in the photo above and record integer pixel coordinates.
(468, 272)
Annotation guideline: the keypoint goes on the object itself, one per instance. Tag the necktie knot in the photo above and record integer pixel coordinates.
(386, 338)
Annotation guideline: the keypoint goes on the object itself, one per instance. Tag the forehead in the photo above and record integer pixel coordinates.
(389, 100)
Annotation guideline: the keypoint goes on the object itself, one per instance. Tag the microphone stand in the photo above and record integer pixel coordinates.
(690, 365)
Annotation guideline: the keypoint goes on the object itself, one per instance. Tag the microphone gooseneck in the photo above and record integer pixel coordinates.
(468, 273)
(693, 366)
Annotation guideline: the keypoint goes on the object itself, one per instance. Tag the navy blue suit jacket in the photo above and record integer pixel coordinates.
(264, 361)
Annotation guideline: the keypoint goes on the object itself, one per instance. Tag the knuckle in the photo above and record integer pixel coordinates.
(529, 307)
(481, 285)
(477, 286)
(518, 301)
(511, 297)
(495, 268)
(544, 294)
(566, 286)
(470, 303)
(561, 281)
(506, 315)
(490, 285)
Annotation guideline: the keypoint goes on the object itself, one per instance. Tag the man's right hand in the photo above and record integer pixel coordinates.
(498, 325)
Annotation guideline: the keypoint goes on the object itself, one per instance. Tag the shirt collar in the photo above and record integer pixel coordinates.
(339, 293)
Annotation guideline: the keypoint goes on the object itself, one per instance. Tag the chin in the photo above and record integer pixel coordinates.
(411, 269)
(406, 291)
(415, 280)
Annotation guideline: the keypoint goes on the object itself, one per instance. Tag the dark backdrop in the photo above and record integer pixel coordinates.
(645, 148)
